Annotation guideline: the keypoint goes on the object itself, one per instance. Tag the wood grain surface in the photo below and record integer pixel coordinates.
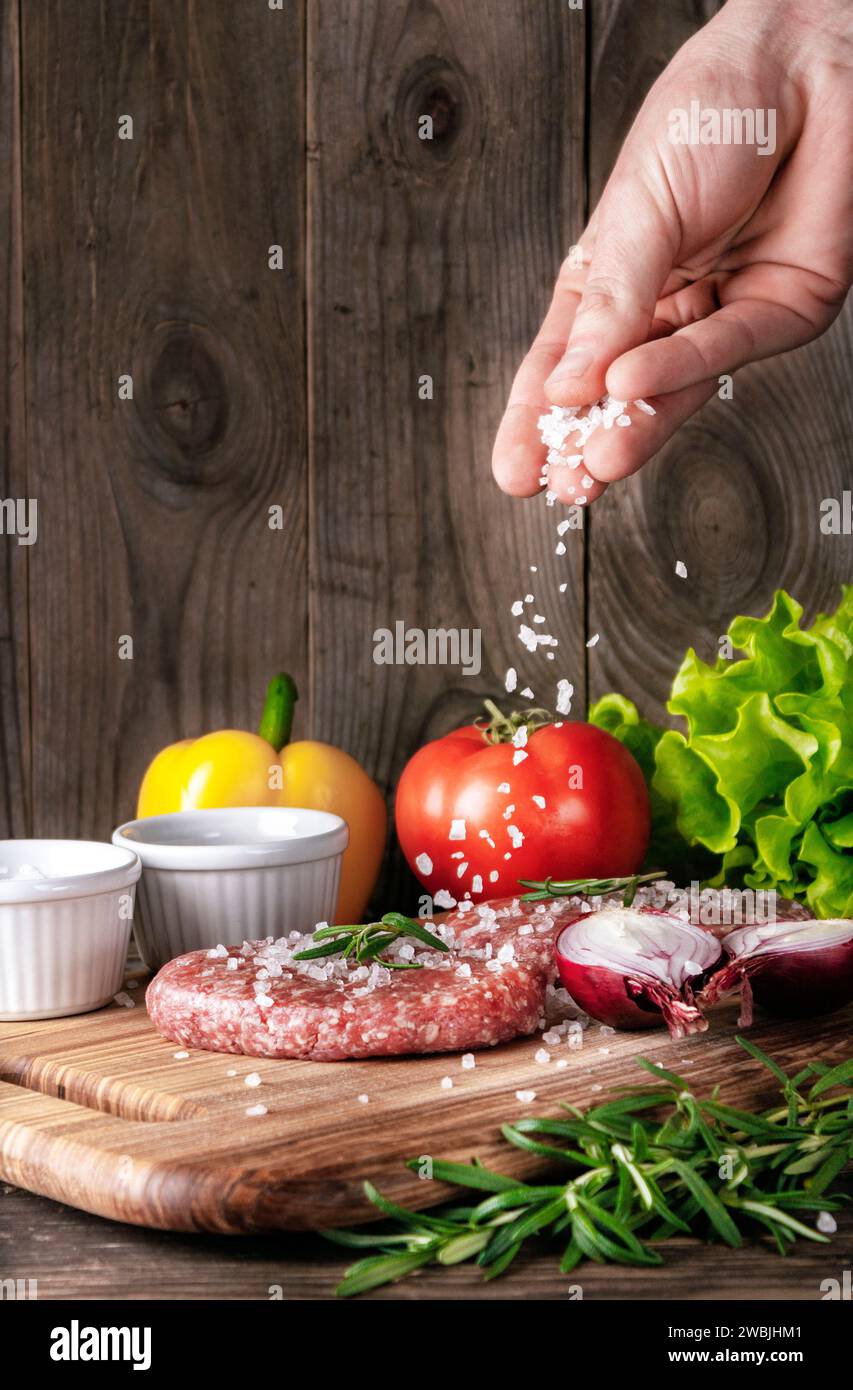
(112, 1261)
(150, 257)
(99, 1112)
(14, 483)
(432, 257)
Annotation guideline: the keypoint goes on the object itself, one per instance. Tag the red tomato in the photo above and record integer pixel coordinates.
(471, 820)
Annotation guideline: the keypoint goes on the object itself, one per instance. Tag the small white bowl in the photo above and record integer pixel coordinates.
(225, 876)
(63, 937)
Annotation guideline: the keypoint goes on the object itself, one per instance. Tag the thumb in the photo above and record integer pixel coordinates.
(632, 256)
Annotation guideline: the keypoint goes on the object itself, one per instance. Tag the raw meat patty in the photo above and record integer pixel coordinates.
(254, 999)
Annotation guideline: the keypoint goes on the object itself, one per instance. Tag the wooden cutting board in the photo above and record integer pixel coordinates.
(97, 1112)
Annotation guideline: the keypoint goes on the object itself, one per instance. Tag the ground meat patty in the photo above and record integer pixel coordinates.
(255, 999)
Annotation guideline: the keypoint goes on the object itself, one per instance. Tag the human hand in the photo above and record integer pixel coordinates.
(700, 257)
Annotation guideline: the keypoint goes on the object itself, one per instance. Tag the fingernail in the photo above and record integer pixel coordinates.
(574, 364)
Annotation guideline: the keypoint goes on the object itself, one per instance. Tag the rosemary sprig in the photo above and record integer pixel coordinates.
(629, 1173)
(365, 943)
(593, 887)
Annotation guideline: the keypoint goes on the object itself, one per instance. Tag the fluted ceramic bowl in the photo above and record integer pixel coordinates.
(226, 876)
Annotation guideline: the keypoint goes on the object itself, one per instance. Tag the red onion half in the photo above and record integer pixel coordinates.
(637, 967)
(796, 969)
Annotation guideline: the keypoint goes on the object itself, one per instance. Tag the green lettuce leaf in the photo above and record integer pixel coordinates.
(758, 785)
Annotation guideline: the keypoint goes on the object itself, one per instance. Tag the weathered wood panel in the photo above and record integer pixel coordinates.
(14, 557)
(432, 257)
(736, 493)
(150, 257)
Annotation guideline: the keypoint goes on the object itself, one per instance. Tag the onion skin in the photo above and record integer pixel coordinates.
(633, 1001)
(792, 984)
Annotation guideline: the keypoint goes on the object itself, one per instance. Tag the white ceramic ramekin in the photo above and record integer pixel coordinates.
(64, 937)
(225, 876)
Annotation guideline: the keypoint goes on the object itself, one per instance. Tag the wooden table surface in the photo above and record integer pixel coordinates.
(76, 1256)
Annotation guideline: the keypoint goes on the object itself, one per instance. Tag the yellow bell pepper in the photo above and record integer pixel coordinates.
(234, 768)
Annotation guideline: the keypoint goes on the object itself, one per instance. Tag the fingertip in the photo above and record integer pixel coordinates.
(517, 468)
(575, 390)
(574, 486)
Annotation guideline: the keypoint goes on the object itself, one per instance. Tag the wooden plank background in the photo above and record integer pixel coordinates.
(298, 386)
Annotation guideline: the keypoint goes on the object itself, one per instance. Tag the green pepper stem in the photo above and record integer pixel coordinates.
(279, 704)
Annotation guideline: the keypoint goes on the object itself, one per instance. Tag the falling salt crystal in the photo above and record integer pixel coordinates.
(534, 569)
(503, 787)
(494, 876)
(444, 899)
(539, 801)
(462, 869)
(528, 693)
(457, 830)
(518, 756)
(645, 407)
(528, 598)
(510, 680)
(681, 569)
(519, 738)
(423, 864)
(538, 618)
(564, 587)
(594, 640)
(563, 528)
(469, 1061)
(565, 691)
(525, 1096)
(476, 884)
(517, 608)
(560, 548)
(826, 1223)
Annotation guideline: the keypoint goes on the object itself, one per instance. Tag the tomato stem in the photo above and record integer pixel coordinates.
(279, 705)
(502, 728)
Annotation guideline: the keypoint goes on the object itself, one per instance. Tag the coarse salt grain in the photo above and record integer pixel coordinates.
(457, 830)
(826, 1223)
(256, 1110)
(594, 640)
(180, 1056)
(423, 864)
(511, 680)
(469, 1061)
(565, 691)
(525, 1096)
(446, 1083)
(541, 1055)
(363, 1098)
(681, 569)
(253, 1079)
